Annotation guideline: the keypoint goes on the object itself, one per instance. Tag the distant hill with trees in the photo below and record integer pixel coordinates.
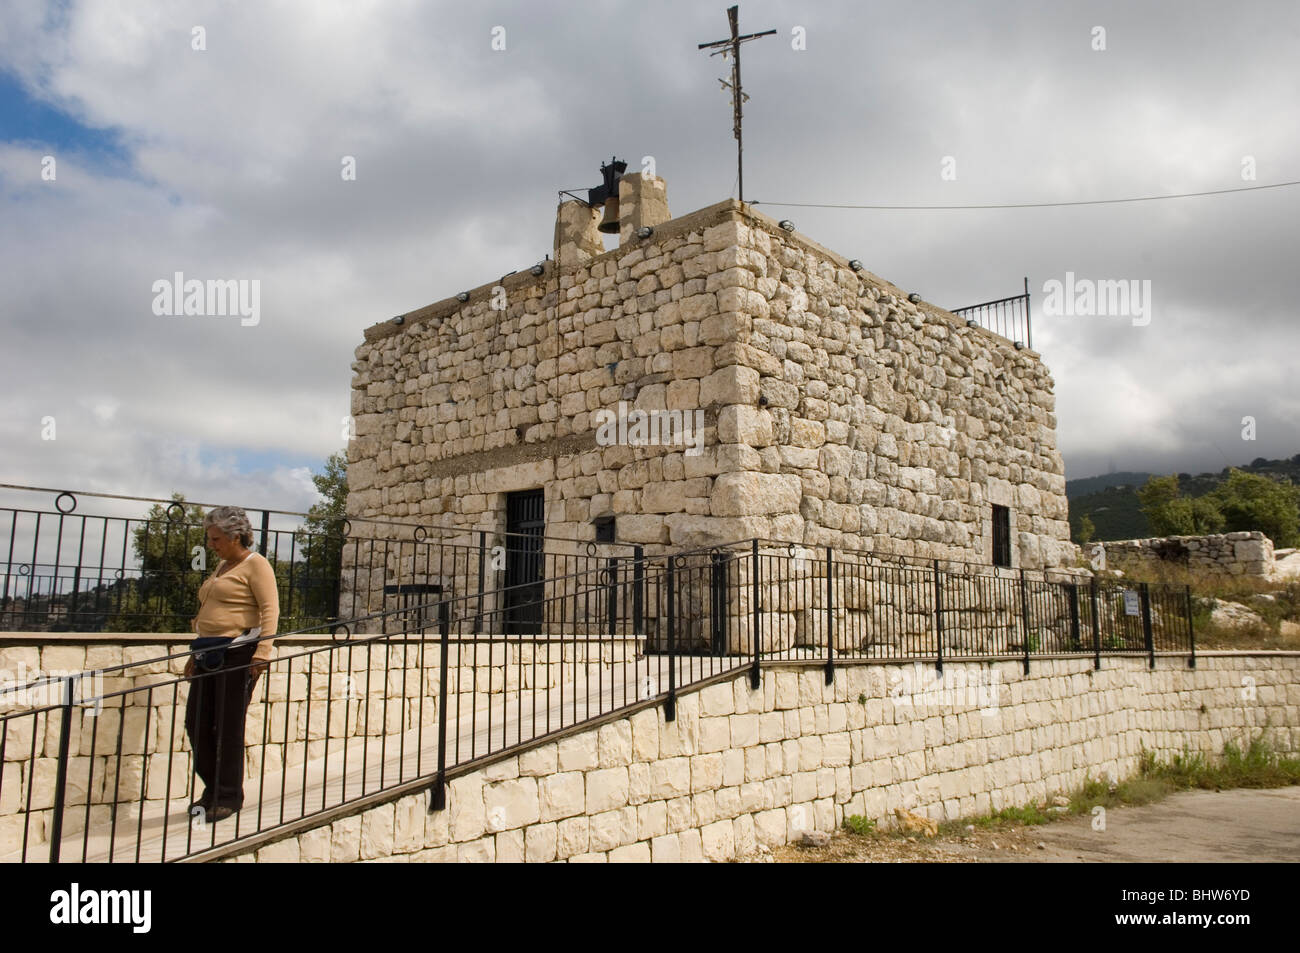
(1110, 506)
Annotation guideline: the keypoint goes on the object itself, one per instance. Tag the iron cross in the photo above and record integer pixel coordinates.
(732, 46)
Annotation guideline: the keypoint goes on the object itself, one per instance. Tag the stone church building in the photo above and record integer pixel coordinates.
(716, 377)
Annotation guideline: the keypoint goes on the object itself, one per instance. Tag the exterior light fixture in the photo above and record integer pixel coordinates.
(1020, 345)
(645, 231)
(538, 268)
(463, 297)
(914, 297)
(855, 264)
(399, 319)
(972, 323)
(786, 224)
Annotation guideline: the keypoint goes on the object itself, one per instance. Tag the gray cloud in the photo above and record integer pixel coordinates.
(234, 157)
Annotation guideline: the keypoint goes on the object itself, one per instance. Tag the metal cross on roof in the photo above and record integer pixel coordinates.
(738, 96)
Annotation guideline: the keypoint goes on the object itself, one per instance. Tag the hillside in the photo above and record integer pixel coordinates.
(1111, 502)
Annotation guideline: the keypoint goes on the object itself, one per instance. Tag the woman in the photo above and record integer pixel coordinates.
(238, 601)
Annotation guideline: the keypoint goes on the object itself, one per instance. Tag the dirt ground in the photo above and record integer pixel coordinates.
(1239, 826)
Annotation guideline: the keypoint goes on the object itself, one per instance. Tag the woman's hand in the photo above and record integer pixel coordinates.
(257, 667)
(189, 667)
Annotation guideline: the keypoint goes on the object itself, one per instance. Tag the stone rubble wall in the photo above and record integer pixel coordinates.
(834, 410)
(1236, 554)
(373, 694)
(739, 767)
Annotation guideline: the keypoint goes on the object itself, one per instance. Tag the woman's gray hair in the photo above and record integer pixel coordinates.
(230, 521)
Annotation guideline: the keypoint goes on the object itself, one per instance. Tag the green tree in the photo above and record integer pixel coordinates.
(321, 540)
(1158, 497)
(1086, 530)
(164, 597)
(1169, 513)
(1251, 501)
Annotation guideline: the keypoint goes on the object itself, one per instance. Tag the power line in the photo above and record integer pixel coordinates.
(1145, 198)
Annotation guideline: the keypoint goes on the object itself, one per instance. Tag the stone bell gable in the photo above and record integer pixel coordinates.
(713, 378)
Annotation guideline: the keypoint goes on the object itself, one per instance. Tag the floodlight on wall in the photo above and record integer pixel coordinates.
(972, 323)
(855, 264)
(645, 231)
(914, 298)
(786, 224)
(463, 297)
(399, 319)
(1020, 345)
(538, 268)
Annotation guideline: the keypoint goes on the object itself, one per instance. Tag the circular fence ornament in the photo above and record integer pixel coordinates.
(24, 570)
(175, 512)
(419, 534)
(58, 503)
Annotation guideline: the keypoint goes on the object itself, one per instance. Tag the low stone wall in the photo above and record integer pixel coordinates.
(372, 690)
(741, 767)
(1237, 554)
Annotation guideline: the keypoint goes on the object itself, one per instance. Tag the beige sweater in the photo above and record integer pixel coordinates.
(244, 597)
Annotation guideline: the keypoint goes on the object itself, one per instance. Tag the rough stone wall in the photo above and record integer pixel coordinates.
(740, 767)
(1237, 554)
(835, 411)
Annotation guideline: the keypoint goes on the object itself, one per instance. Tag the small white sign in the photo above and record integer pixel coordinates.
(1132, 603)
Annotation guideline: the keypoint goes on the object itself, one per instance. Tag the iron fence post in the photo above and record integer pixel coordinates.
(717, 603)
(438, 796)
(1191, 629)
(611, 567)
(482, 578)
(1145, 590)
(266, 530)
(638, 590)
(1073, 598)
(1024, 615)
(670, 703)
(755, 674)
(1029, 325)
(938, 620)
(830, 616)
(1096, 623)
(61, 772)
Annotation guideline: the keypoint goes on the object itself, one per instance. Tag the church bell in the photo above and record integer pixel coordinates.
(607, 194)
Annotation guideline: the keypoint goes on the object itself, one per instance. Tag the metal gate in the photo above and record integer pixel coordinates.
(525, 526)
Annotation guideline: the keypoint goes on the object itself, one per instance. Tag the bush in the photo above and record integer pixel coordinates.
(857, 824)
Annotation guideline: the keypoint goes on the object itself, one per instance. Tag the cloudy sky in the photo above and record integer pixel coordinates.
(226, 162)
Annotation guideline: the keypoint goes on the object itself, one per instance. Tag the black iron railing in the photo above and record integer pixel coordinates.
(66, 571)
(96, 765)
(1008, 317)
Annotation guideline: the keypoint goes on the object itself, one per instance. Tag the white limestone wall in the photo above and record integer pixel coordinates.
(740, 767)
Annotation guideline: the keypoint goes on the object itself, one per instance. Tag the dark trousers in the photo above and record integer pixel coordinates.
(214, 721)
